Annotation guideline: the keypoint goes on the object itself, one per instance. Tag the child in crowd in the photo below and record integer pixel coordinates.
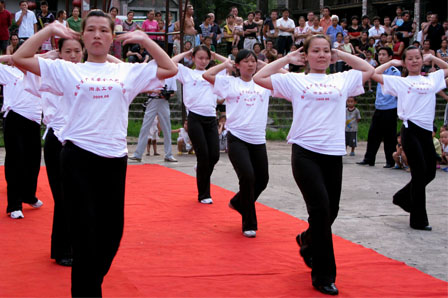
(188, 62)
(183, 141)
(390, 41)
(238, 28)
(399, 156)
(208, 43)
(352, 117)
(371, 61)
(444, 141)
(222, 131)
(339, 44)
(153, 137)
(232, 55)
(437, 146)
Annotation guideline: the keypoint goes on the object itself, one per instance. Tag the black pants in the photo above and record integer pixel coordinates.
(251, 165)
(94, 188)
(22, 159)
(60, 237)
(420, 152)
(319, 178)
(203, 132)
(382, 128)
(284, 44)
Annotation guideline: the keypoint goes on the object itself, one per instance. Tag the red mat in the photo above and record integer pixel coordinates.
(175, 247)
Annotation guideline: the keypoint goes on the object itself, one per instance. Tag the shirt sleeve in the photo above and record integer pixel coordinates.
(353, 82)
(281, 86)
(182, 73)
(6, 75)
(224, 86)
(55, 74)
(438, 78)
(143, 77)
(391, 85)
(17, 15)
(34, 19)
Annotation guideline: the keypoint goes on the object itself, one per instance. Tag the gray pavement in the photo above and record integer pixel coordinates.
(366, 216)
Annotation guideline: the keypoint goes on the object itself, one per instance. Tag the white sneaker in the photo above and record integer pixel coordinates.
(170, 159)
(250, 234)
(207, 201)
(38, 204)
(17, 214)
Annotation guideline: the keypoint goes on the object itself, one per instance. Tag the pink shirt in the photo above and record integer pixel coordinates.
(150, 26)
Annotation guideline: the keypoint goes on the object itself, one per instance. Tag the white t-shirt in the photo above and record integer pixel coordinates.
(99, 95)
(26, 28)
(287, 24)
(15, 97)
(416, 96)
(373, 32)
(53, 105)
(318, 102)
(198, 94)
(246, 108)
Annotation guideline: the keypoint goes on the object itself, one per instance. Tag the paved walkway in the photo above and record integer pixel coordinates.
(366, 216)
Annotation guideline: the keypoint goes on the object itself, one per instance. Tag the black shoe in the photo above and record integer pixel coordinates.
(306, 257)
(65, 262)
(422, 228)
(329, 289)
(364, 162)
(388, 166)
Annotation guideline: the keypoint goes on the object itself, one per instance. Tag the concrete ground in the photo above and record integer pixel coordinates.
(367, 215)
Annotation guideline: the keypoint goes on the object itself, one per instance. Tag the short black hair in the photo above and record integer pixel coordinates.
(376, 18)
(388, 50)
(365, 17)
(42, 3)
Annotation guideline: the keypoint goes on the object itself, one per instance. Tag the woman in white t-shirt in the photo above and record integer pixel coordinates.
(200, 103)
(318, 137)
(247, 112)
(21, 131)
(94, 155)
(416, 107)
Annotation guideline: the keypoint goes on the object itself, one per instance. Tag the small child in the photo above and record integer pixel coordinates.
(352, 117)
(232, 55)
(153, 137)
(399, 156)
(437, 146)
(238, 28)
(444, 141)
(183, 141)
(371, 61)
(222, 133)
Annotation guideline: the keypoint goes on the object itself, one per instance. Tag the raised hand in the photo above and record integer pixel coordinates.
(53, 54)
(134, 37)
(297, 57)
(427, 58)
(62, 31)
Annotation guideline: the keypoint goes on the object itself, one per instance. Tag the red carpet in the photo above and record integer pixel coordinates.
(176, 247)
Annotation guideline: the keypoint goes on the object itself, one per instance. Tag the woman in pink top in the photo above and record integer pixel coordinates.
(116, 45)
(150, 24)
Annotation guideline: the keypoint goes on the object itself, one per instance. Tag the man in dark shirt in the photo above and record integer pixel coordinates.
(365, 25)
(215, 30)
(44, 17)
(5, 22)
(250, 32)
(406, 28)
(434, 32)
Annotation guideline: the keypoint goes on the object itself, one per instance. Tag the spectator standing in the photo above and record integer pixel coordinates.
(250, 32)
(398, 20)
(334, 29)
(352, 117)
(442, 53)
(150, 24)
(215, 30)
(310, 19)
(365, 23)
(316, 28)
(228, 32)
(61, 19)
(325, 22)
(376, 30)
(434, 32)
(286, 28)
(205, 29)
(259, 21)
(300, 32)
(407, 28)
(74, 22)
(26, 20)
(44, 16)
(118, 26)
(387, 27)
(189, 30)
(170, 37)
(354, 31)
(270, 30)
(5, 22)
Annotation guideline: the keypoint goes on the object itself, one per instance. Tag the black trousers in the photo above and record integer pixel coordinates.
(319, 178)
(251, 165)
(94, 188)
(284, 44)
(203, 132)
(383, 128)
(22, 159)
(419, 148)
(60, 236)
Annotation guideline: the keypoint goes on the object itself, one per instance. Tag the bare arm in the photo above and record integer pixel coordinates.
(378, 74)
(179, 57)
(24, 57)
(437, 61)
(113, 59)
(166, 68)
(19, 21)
